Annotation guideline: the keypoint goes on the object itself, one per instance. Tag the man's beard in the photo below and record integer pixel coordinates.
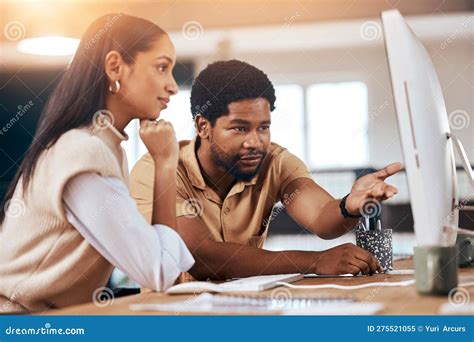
(230, 162)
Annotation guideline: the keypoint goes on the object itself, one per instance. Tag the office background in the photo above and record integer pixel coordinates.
(326, 59)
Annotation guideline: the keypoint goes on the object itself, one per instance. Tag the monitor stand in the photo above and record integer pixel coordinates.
(465, 237)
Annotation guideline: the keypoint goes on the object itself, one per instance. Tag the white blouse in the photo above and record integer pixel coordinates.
(105, 214)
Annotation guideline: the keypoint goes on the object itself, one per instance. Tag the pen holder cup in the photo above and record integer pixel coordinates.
(379, 243)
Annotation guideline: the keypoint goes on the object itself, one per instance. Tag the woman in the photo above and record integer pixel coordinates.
(77, 220)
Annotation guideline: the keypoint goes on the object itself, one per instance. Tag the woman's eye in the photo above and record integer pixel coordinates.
(161, 68)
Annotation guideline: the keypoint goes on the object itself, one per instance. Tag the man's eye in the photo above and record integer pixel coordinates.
(239, 129)
(264, 128)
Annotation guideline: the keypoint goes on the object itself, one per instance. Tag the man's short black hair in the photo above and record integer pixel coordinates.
(224, 82)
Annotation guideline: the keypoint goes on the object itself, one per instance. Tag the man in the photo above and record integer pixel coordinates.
(230, 176)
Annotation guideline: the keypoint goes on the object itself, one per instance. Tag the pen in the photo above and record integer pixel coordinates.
(367, 223)
(379, 225)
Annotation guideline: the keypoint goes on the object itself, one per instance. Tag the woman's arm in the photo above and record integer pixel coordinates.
(103, 212)
(164, 193)
(160, 140)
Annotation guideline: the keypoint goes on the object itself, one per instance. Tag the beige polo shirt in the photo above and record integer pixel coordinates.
(243, 216)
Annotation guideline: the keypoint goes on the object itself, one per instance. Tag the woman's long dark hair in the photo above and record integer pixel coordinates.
(81, 90)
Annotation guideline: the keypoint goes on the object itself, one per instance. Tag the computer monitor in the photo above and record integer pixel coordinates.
(425, 134)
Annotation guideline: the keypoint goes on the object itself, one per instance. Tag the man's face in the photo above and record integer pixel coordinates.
(239, 140)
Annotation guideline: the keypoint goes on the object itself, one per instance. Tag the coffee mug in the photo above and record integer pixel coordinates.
(436, 269)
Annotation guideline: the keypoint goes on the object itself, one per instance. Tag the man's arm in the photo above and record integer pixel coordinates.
(225, 260)
(314, 208)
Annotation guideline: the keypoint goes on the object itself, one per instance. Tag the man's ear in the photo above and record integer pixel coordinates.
(113, 66)
(203, 126)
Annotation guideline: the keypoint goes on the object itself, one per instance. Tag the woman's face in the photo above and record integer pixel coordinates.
(147, 84)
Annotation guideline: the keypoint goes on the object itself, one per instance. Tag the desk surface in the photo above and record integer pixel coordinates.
(396, 300)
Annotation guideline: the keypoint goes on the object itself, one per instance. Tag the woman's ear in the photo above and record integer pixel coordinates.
(113, 65)
(203, 126)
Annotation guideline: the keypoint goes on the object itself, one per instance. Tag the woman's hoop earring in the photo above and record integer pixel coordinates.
(114, 87)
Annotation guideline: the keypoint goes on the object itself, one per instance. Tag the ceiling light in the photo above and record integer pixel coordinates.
(49, 46)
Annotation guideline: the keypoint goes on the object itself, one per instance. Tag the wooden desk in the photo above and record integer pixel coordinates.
(396, 300)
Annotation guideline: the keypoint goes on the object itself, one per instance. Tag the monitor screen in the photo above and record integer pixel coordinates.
(423, 126)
